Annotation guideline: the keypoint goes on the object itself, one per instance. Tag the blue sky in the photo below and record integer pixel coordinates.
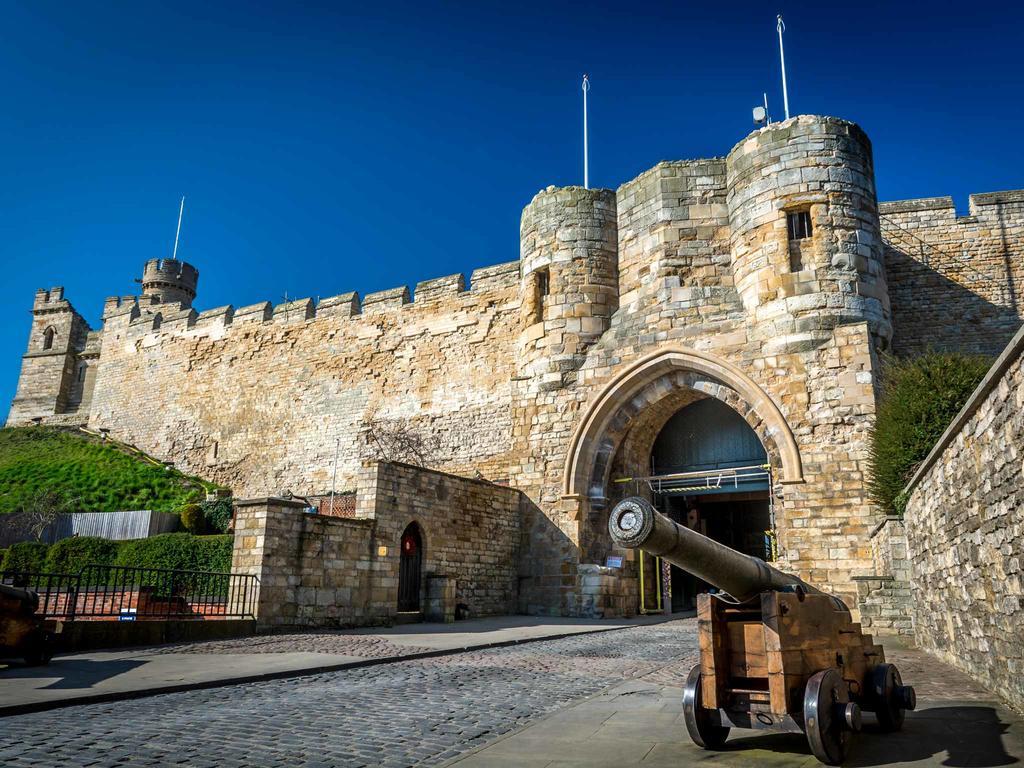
(333, 147)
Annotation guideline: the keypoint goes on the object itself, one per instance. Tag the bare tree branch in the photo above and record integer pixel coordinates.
(398, 440)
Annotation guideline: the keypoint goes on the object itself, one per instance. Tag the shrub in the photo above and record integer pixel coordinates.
(26, 556)
(213, 553)
(177, 550)
(218, 513)
(193, 519)
(919, 399)
(72, 555)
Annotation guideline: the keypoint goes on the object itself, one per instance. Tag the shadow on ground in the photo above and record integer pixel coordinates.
(971, 736)
(80, 673)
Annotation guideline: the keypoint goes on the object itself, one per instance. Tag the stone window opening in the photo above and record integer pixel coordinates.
(543, 288)
(48, 335)
(81, 372)
(798, 229)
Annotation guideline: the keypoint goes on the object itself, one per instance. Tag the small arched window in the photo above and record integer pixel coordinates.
(48, 338)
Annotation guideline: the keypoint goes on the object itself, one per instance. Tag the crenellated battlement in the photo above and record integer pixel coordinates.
(144, 315)
(51, 300)
(942, 210)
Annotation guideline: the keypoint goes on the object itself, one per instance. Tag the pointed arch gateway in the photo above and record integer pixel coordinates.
(653, 379)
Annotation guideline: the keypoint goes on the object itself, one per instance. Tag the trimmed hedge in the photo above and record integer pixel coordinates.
(181, 551)
(920, 398)
(177, 550)
(26, 556)
(72, 555)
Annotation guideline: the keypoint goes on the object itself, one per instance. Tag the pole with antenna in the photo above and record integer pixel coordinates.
(181, 211)
(586, 149)
(781, 27)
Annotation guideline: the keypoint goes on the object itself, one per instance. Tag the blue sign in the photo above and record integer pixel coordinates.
(613, 562)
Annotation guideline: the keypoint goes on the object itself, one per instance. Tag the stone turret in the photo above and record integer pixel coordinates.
(170, 281)
(569, 270)
(49, 367)
(806, 245)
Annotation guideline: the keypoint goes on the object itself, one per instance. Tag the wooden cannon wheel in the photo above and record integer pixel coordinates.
(830, 718)
(890, 698)
(703, 732)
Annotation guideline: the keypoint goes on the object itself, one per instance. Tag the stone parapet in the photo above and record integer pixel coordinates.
(319, 570)
(965, 534)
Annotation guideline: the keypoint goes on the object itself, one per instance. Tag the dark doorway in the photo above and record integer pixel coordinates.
(716, 482)
(409, 570)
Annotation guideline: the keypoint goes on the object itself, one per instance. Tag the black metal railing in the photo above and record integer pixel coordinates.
(130, 594)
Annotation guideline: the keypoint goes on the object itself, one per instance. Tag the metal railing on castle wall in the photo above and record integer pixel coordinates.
(137, 594)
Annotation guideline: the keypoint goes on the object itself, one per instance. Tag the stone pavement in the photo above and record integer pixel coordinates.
(102, 675)
(417, 712)
(595, 699)
(639, 723)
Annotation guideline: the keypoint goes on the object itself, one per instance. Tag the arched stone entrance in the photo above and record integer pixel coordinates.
(714, 478)
(618, 431)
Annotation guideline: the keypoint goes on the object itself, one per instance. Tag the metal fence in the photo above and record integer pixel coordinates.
(138, 594)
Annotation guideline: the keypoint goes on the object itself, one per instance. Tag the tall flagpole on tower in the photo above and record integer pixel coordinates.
(181, 210)
(586, 148)
(781, 27)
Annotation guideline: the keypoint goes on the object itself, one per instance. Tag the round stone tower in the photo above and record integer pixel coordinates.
(170, 281)
(805, 239)
(569, 270)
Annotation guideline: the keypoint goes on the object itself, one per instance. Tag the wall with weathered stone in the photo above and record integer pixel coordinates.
(470, 529)
(258, 398)
(884, 597)
(556, 372)
(955, 282)
(965, 532)
(330, 571)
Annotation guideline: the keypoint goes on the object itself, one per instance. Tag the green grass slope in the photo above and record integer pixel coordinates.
(95, 475)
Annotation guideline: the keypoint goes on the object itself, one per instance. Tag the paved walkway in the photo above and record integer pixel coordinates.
(106, 675)
(599, 699)
(639, 723)
(418, 712)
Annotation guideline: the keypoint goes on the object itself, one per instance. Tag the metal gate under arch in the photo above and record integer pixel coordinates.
(410, 569)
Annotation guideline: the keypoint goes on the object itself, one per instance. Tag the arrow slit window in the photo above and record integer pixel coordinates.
(798, 227)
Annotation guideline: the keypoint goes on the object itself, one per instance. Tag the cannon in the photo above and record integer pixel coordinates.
(22, 632)
(775, 652)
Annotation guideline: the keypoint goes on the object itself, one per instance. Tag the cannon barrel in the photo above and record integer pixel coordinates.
(635, 524)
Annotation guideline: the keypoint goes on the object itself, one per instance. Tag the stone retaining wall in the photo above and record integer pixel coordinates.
(319, 570)
(884, 598)
(965, 530)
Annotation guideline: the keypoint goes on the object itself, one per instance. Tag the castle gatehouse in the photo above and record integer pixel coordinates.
(707, 335)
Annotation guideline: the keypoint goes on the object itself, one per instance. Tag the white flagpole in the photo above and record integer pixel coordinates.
(181, 210)
(781, 27)
(586, 149)
(334, 476)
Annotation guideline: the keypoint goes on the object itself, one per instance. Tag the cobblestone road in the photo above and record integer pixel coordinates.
(419, 712)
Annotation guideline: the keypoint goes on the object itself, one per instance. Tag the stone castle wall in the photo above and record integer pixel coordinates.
(965, 529)
(329, 571)
(259, 399)
(955, 282)
(555, 373)
(884, 597)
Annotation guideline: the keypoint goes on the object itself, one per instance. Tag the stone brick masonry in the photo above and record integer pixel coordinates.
(322, 570)
(965, 528)
(556, 372)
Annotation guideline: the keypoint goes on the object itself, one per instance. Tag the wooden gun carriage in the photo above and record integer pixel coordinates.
(775, 653)
(22, 632)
